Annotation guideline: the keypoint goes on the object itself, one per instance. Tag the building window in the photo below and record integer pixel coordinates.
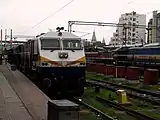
(123, 33)
(129, 33)
(130, 18)
(134, 13)
(133, 40)
(134, 19)
(134, 24)
(133, 34)
(129, 28)
(129, 38)
(133, 29)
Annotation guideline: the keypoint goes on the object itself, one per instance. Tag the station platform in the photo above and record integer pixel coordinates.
(20, 99)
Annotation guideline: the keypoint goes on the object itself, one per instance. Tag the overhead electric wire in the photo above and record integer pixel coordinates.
(109, 24)
(130, 2)
(50, 15)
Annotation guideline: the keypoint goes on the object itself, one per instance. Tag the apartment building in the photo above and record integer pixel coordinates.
(154, 28)
(129, 32)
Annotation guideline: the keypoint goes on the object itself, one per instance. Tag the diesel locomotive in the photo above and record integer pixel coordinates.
(55, 60)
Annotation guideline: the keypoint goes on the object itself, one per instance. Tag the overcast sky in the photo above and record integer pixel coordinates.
(22, 15)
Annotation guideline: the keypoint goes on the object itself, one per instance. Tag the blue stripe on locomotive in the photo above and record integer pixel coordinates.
(145, 51)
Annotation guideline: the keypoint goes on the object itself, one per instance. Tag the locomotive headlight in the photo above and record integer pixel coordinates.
(82, 63)
(46, 64)
(66, 55)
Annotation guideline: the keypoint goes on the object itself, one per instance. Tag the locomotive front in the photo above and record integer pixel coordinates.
(62, 62)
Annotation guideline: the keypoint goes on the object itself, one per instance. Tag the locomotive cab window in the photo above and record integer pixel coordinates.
(50, 44)
(72, 44)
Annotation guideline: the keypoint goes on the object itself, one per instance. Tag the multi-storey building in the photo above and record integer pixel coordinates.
(115, 39)
(154, 28)
(128, 32)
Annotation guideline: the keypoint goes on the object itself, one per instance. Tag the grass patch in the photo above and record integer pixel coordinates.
(90, 75)
(96, 76)
(141, 106)
(85, 114)
(152, 113)
(151, 87)
(139, 85)
(90, 97)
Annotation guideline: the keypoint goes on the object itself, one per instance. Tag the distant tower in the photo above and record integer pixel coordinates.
(94, 37)
(103, 41)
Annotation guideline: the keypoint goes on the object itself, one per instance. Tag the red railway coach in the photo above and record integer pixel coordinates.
(99, 57)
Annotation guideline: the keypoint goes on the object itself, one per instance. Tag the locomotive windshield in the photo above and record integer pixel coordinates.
(50, 44)
(72, 44)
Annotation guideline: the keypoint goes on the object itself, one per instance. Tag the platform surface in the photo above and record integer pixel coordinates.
(33, 101)
(11, 107)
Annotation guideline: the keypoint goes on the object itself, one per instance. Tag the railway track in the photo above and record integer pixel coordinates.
(134, 113)
(131, 92)
(155, 94)
(102, 115)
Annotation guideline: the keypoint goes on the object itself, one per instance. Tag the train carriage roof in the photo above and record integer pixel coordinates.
(66, 35)
(148, 47)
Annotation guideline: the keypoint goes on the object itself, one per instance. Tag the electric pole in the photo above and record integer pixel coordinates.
(148, 31)
(1, 40)
(5, 38)
(1, 51)
(125, 35)
(11, 39)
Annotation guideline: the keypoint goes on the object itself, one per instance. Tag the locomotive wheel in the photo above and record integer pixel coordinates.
(47, 82)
